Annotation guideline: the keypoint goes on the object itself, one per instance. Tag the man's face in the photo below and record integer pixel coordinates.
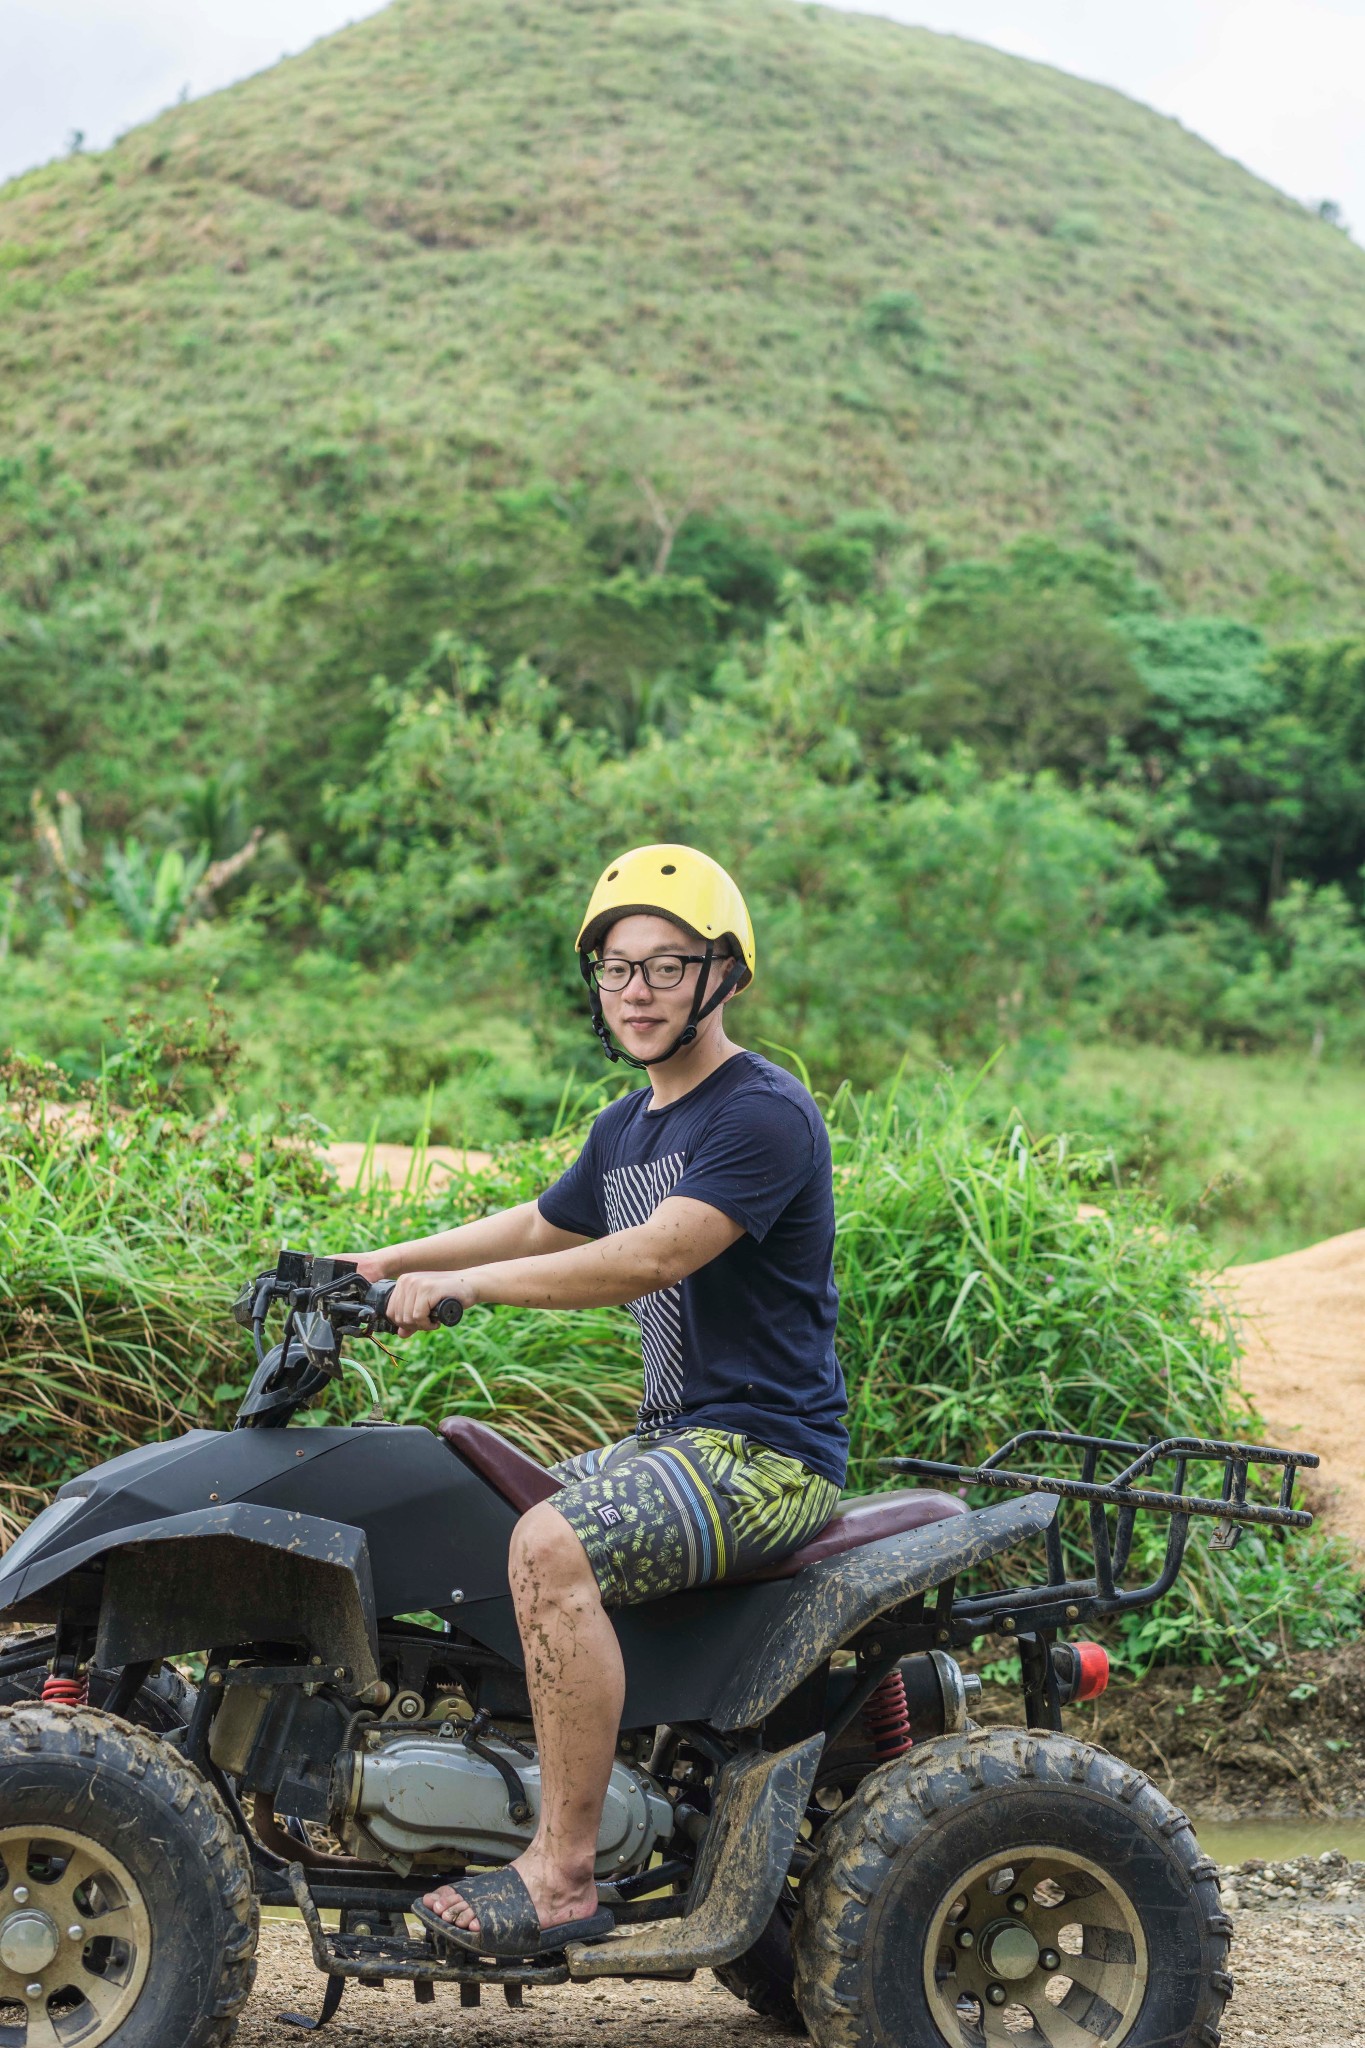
(647, 1020)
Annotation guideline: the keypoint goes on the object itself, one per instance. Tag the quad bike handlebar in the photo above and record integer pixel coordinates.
(446, 1312)
(326, 1300)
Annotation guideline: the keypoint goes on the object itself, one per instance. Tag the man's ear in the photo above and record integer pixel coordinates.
(725, 964)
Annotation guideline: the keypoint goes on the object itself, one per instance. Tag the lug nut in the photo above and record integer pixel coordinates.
(996, 1994)
(33, 1990)
(1018, 1904)
(21, 1895)
(1048, 1959)
(965, 1937)
(75, 1934)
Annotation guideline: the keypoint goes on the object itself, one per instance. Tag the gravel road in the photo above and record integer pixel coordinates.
(1297, 1970)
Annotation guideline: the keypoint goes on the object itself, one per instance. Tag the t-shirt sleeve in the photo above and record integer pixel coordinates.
(570, 1203)
(756, 1155)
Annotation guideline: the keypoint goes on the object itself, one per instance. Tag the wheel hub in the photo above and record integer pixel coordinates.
(1035, 1944)
(1009, 1950)
(29, 1941)
(75, 1936)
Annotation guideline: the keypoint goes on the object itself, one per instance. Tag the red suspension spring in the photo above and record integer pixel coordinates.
(886, 1717)
(66, 1692)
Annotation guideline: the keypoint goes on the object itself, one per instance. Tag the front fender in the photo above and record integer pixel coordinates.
(234, 1573)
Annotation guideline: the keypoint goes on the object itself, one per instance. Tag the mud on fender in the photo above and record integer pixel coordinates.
(830, 1601)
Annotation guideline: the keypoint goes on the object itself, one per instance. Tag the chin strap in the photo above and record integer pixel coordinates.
(698, 1013)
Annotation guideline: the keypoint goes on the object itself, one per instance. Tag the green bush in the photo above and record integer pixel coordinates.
(966, 909)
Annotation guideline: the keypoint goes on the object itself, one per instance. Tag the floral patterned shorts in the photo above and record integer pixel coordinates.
(685, 1507)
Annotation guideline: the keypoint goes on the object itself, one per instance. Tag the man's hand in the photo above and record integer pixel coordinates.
(416, 1295)
(370, 1265)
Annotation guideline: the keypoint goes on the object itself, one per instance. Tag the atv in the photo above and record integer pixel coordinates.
(800, 1800)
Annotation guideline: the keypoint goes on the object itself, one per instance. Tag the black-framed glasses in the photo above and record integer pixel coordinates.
(661, 970)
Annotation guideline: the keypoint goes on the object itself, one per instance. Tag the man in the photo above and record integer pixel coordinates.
(704, 1203)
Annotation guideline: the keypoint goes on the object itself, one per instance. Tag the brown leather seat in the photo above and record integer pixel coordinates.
(522, 1482)
(864, 1520)
(519, 1479)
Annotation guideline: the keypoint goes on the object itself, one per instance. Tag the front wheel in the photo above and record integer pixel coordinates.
(1010, 1887)
(127, 1914)
(162, 1704)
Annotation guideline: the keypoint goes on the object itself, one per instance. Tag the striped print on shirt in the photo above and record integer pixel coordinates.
(630, 1195)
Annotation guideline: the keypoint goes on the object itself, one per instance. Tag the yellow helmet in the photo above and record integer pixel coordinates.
(676, 882)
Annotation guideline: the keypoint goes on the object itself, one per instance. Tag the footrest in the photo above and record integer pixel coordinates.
(374, 1957)
(743, 1865)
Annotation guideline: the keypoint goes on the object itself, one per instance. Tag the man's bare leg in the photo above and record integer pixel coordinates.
(577, 1684)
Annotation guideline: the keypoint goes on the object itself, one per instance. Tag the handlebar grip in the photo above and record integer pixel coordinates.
(447, 1312)
(378, 1300)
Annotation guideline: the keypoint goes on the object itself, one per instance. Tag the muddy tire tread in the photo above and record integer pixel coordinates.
(887, 1807)
(761, 1992)
(87, 1734)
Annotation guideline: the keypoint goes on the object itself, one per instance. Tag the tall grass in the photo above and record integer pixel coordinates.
(984, 1291)
(980, 1296)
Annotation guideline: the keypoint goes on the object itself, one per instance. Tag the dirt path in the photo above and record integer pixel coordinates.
(394, 1163)
(1302, 1319)
(1296, 1974)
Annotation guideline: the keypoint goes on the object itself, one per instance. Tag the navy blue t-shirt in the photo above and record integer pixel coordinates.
(747, 1343)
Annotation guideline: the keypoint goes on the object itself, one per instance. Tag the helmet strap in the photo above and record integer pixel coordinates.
(699, 1012)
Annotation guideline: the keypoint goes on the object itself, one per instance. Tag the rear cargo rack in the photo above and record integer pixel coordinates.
(1063, 1601)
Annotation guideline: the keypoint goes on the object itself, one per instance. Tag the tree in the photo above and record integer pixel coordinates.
(1311, 976)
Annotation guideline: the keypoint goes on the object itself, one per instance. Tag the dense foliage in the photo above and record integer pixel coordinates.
(978, 1299)
(1019, 804)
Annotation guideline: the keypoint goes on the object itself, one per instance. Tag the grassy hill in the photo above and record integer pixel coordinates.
(727, 255)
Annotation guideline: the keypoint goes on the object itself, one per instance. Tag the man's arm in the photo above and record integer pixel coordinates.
(679, 1238)
(519, 1233)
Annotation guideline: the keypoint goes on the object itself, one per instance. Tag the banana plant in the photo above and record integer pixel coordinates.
(155, 896)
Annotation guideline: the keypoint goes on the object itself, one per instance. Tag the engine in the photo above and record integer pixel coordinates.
(410, 1793)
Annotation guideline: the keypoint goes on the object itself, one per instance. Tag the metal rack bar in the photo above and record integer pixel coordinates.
(1063, 1601)
(1113, 1494)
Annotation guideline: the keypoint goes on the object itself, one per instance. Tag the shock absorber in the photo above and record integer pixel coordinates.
(67, 1684)
(886, 1718)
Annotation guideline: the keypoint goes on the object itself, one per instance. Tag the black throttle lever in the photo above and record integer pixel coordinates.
(447, 1312)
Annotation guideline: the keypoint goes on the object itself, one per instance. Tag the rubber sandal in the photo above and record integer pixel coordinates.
(509, 1925)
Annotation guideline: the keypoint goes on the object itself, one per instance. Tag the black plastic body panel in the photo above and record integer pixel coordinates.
(678, 1653)
(412, 1528)
(432, 1526)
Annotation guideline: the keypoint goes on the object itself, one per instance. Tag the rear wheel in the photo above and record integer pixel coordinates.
(765, 1975)
(1010, 1887)
(127, 1915)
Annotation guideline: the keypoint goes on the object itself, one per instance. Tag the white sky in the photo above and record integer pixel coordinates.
(1278, 84)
